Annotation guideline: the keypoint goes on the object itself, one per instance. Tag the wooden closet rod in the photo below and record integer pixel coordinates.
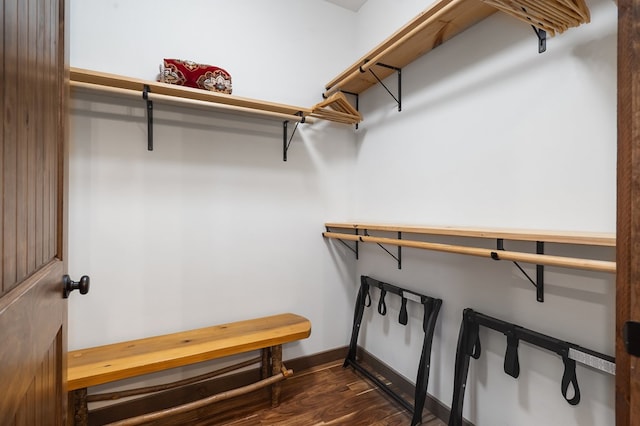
(537, 259)
(183, 101)
(373, 61)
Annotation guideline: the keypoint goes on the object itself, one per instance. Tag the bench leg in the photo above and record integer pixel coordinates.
(264, 363)
(276, 367)
(78, 407)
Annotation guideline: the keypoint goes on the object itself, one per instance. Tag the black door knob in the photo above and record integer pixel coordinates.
(68, 285)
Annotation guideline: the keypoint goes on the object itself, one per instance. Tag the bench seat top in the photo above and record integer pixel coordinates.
(103, 364)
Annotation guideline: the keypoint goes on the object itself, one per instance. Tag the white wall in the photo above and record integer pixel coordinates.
(492, 134)
(276, 50)
(212, 226)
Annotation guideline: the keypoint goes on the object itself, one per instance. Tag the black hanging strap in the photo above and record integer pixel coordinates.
(472, 343)
(403, 318)
(569, 378)
(382, 306)
(511, 362)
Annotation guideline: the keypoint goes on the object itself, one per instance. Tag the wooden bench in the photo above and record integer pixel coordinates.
(104, 364)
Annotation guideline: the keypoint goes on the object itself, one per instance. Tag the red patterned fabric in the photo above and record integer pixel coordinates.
(199, 76)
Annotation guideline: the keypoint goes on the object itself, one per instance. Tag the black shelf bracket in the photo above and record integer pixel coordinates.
(286, 140)
(541, 34)
(357, 96)
(398, 99)
(397, 258)
(542, 39)
(355, 250)
(145, 96)
(539, 282)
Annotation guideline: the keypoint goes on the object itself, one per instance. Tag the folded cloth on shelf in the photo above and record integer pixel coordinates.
(191, 74)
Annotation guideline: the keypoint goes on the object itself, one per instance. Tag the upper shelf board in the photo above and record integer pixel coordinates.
(129, 83)
(443, 20)
(435, 25)
(562, 237)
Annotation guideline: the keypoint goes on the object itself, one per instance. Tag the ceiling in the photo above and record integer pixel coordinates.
(353, 5)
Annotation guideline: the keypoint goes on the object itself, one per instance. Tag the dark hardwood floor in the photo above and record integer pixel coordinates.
(325, 395)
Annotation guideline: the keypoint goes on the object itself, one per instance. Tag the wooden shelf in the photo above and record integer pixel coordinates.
(104, 82)
(581, 238)
(435, 25)
(359, 232)
(443, 20)
(336, 109)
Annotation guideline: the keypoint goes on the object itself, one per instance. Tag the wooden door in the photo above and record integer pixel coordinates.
(628, 218)
(33, 101)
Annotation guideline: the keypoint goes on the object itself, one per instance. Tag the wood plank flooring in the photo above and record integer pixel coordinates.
(325, 395)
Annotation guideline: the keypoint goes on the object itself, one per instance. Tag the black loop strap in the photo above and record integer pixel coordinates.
(511, 362)
(382, 307)
(569, 377)
(404, 316)
(472, 345)
(427, 303)
(367, 298)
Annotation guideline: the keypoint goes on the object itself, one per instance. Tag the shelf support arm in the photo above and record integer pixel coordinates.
(398, 258)
(539, 282)
(145, 96)
(355, 250)
(286, 141)
(542, 35)
(398, 99)
(540, 274)
(542, 39)
(357, 96)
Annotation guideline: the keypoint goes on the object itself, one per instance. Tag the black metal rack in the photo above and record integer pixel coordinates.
(469, 346)
(431, 310)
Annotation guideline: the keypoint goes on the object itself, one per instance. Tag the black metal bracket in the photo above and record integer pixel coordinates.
(539, 282)
(145, 96)
(542, 39)
(286, 141)
(398, 99)
(397, 258)
(355, 250)
(542, 35)
(357, 96)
